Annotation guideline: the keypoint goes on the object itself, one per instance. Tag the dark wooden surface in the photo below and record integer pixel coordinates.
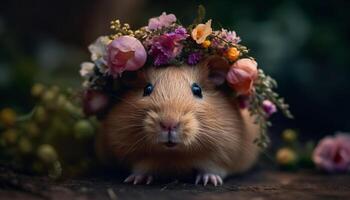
(256, 185)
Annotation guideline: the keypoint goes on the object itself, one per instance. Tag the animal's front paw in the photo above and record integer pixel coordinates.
(206, 178)
(135, 178)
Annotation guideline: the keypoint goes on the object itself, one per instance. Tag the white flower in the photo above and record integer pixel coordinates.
(98, 51)
(98, 48)
(87, 69)
(101, 65)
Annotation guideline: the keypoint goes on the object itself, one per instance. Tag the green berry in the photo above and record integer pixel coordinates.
(40, 114)
(37, 90)
(49, 96)
(289, 135)
(10, 136)
(72, 109)
(55, 89)
(47, 154)
(8, 117)
(25, 146)
(32, 129)
(61, 101)
(83, 129)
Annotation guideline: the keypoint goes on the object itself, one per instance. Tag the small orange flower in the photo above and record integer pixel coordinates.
(232, 54)
(201, 32)
(206, 44)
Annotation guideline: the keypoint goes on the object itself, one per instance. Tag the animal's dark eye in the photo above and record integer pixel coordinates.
(148, 89)
(196, 90)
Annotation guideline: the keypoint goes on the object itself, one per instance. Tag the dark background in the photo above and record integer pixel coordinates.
(303, 44)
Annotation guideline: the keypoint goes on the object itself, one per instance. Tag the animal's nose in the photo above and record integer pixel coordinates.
(169, 125)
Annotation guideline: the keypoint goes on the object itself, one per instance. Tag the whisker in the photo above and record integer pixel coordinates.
(120, 130)
(134, 146)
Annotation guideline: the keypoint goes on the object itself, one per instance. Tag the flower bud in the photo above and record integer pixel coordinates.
(232, 54)
(206, 44)
(269, 107)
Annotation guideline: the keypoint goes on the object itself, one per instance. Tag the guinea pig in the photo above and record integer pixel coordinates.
(177, 120)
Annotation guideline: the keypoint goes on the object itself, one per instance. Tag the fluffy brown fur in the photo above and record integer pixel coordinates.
(216, 136)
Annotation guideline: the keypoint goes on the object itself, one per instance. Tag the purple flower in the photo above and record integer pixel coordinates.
(181, 31)
(332, 154)
(167, 46)
(229, 36)
(243, 101)
(194, 58)
(163, 20)
(269, 107)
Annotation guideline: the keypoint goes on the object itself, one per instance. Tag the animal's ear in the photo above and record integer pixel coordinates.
(217, 68)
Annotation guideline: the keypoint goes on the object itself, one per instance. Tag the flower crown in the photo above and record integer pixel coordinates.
(165, 41)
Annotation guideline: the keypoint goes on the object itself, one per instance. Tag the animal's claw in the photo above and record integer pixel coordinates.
(209, 178)
(139, 178)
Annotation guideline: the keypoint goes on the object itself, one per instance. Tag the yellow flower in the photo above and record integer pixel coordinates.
(201, 32)
(206, 44)
(232, 54)
(286, 156)
(8, 116)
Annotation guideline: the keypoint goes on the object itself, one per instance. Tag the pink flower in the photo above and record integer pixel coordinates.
(125, 53)
(332, 154)
(94, 102)
(269, 107)
(242, 75)
(163, 20)
(229, 36)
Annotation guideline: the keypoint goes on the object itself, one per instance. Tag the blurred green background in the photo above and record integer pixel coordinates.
(303, 44)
